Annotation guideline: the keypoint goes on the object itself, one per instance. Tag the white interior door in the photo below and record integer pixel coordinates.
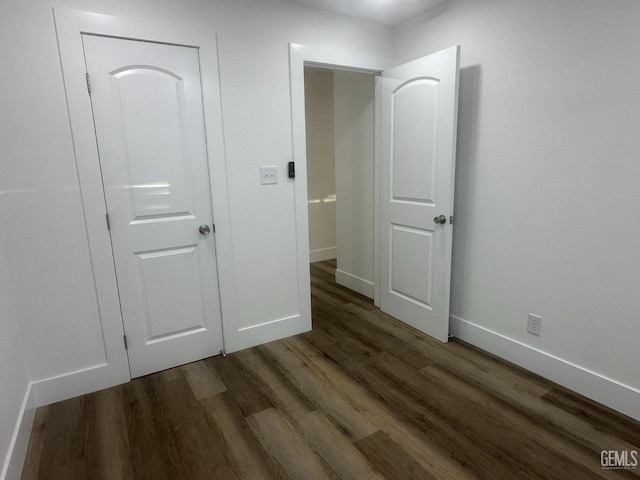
(148, 115)
(418, 104)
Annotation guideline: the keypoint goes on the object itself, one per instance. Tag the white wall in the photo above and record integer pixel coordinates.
(547, 184)
(321, 168)
(13, 373)
(43, 231)
(354, 96)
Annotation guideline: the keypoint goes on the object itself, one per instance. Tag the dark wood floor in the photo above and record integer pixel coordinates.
(361, 397)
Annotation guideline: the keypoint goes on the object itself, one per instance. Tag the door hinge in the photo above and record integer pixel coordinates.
(126, 345)
(108, 221)
(86, 75)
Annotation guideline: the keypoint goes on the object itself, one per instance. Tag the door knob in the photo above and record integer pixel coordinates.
(440, 220)
(204, 229)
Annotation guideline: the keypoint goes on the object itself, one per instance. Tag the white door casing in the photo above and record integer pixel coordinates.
(418, 121)
(299, 56)
(70, 27)
(147, 109)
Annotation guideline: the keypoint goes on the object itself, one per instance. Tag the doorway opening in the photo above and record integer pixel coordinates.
(340, 128)
(414, 164)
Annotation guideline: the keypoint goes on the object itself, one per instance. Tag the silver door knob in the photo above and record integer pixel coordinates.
(440, 220)
(204, 229)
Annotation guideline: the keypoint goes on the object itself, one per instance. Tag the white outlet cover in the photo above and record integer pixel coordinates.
(534, 324)
(268, 175)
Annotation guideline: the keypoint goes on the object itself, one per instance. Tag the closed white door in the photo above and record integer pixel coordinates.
(418, 102)
(147, 107)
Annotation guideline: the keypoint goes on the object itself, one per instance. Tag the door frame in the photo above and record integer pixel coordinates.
(70, 25)
(336, 59)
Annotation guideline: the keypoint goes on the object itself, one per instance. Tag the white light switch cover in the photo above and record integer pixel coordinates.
(268, 175)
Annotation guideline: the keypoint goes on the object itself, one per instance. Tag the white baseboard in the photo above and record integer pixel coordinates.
(357, 284)
(613, 394)
(74, 384)
(51, 390)
(322, 254)
(12, 468)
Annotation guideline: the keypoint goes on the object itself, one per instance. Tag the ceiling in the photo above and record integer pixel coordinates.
(385, 12)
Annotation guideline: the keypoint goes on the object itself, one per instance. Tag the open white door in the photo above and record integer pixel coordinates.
(148, 116)
(418, 120)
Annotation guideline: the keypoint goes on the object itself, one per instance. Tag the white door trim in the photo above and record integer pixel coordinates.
(299, 56)
(70, 25)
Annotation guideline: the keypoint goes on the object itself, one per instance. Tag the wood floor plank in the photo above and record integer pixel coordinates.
(510, 384)
(328, 266)
(591, 459)
(361, 396)
(275, 384)
(453, 441)
(318, 292)
(390, 459)
(335, 360)
(332, 293)
(151, 441)
(245, 453)
(111, 440)
(335, 448)
(506, 383)
(34, 451)
(286, 445)
(454, 354)
(197, 459)
(68, 427)
(326, 392)
(538, 441)
(329, 316)
(554, 419)
(202, 379)
(241, 384)
(601, 419)
(510, 436)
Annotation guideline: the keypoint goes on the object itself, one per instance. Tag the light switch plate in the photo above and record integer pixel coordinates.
(268, 175)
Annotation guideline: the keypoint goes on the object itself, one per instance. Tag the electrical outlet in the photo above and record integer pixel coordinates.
(534, 324)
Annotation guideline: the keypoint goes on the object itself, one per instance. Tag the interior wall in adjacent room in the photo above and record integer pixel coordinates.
(354, 95)
(321, 165)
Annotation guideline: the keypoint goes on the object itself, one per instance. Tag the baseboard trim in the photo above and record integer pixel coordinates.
(322, 254)
(613, 394)
(14, 461)
(73, 384)
(357, 284)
